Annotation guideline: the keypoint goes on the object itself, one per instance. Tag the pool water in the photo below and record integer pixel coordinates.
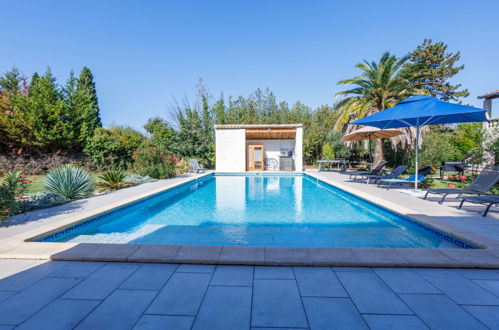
(256, 210)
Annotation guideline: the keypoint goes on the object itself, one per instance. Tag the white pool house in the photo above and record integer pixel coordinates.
(241, 148)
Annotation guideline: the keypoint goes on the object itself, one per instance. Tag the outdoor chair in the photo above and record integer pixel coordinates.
(394, 174)
(422, 173)
(195, 167)
(488, 200)
(376, 171)
(271, 164)
(483, 183)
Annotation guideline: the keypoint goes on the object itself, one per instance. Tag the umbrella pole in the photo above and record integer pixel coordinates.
(417, 156)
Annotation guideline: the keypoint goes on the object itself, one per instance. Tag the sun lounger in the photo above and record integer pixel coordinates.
(488, 200)
(376, 171)
(394, 174)
(483, 183)
(410, 180)
(195, 167)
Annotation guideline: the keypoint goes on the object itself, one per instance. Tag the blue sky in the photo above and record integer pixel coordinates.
(146, 53)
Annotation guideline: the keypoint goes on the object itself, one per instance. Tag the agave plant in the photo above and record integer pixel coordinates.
(70, 181)
(113, 180)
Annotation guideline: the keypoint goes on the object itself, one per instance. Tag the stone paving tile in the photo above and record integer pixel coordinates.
(456, 287)
(488, 315)
(277, 303)
(181, 295)
(278, 273)
(479, 274)
(233, 276)
(80, 269)
(439, 312)
(238, 254)
(14, 266)
(280, 328)
(371, 295)
(60, 314)
(383, 322)
(150, 277)
(6, 294)
(225, 308)
(19, 307)
(101, 283)
(405, 280)
(27, 277)
(160, 322)
(489, 285)
(352, 269)
(332, 313)
(124, 307)
(318, 282)
(188, 268)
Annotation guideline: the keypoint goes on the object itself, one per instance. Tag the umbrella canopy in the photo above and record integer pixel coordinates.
(421, 110)
(370, 133)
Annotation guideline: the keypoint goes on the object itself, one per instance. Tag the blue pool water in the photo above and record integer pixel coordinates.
(256, 210)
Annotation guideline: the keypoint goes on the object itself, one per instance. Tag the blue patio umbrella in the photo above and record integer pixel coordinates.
(422, 110)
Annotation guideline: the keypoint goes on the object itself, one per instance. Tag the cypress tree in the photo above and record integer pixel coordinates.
(87, 105)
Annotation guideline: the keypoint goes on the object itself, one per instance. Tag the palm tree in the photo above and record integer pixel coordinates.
(380, 86)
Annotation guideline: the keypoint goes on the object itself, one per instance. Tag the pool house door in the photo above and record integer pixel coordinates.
(255, 158)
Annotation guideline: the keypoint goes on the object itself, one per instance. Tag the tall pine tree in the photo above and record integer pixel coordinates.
(86, 105)
(437, 67)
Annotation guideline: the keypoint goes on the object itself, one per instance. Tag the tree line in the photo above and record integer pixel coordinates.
(37, 116)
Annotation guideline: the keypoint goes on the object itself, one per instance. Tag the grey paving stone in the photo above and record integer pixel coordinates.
(371, 295)
(19, 307)
(277, 303)
(488, 315)
(405, 280)
(332, 313)
(181, 295)
(318, 282)
(150, 277)
(161, 322)
(456, 287)
(353, 269)
(233, 276)
(489, 285)
(242, 254)
(6, 294)
(385, 322)
(27, 277)
(269, 272)
(79, 269)
(479, 274)
(121, 310)
(195, 253)
(101, 283)
(60, 314)
(225, 308)
(439, 312)
(188, 268)
(12, 266)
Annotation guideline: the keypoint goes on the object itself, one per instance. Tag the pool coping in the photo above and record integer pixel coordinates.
(21, 247)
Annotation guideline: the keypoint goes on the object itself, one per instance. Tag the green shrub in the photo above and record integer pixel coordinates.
(45, 199)
(154, 161)
(183, 166)
(139, 179)
(113, 180)
(12, 189)
(70, 181)
(327, 151)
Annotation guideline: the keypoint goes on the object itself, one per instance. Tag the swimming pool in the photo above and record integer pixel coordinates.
(256, 210)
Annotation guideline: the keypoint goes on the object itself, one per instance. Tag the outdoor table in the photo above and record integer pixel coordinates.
(327, 164)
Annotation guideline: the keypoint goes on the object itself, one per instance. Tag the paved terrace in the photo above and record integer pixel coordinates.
(96, 295)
